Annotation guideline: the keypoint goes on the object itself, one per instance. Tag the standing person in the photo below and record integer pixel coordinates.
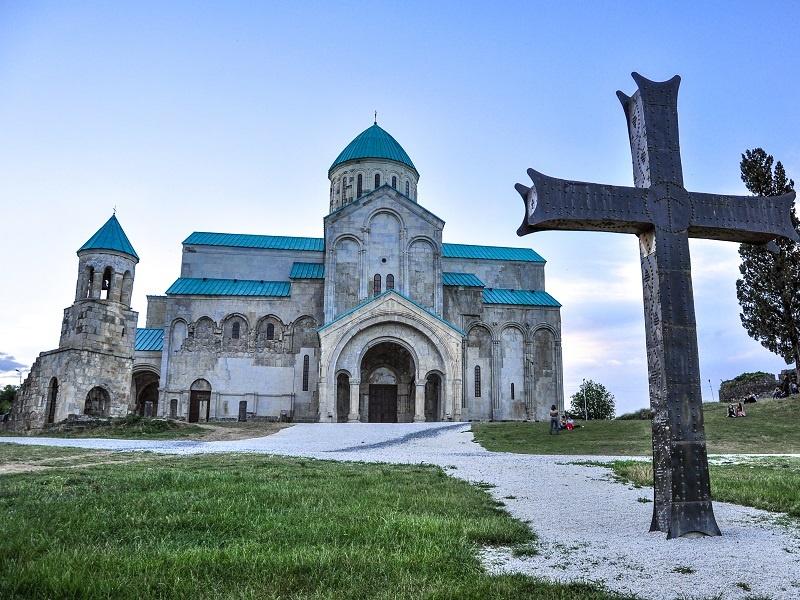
(554, 424)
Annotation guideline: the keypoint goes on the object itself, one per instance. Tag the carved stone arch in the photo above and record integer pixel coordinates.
(98, 401)
(270, 332)
(347, 236)
(227, 325)
(422, 254)
(304, 333)
(203, 328)
(548, 327)
(479, 370)
(178, 332)
(513, 325)
(384, 210)
(394, 340)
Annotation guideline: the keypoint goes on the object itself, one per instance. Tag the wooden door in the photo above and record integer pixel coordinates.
(383, 404)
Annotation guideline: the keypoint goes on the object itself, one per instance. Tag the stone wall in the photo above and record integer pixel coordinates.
(760, 385)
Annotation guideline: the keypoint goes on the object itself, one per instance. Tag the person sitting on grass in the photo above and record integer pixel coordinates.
(777, 393)
(553, 419)
(740, 410)
(751, 399)
(570, 424)
(793, 387)
(731, 410)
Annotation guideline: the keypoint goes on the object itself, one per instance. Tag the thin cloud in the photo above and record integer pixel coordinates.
(8, 363)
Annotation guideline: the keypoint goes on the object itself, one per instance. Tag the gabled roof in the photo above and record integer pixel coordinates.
(371, 195)
(490, 253)
(149, 340)
(190, 286)
(110, 237)
(372, 299)
(373, 142)
(301, 270)
(461, 279)
(519, 297)
(244, 240)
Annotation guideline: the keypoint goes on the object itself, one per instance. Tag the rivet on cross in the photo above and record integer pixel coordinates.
(664, 216)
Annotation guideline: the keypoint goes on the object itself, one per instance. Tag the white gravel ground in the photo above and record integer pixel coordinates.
(589, 528)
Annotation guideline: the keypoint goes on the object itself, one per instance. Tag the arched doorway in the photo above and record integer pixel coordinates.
(387, 377)
(199, 401)
(433, 397)
(52, 397)
(145, 384)
(342, 397)
(97, 402)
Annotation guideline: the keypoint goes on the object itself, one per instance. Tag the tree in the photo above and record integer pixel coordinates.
(769, 289)
(7, 397)
(592, 401)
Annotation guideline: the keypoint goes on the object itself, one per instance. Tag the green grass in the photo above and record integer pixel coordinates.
(768, 483)
(17, 453)
(132, 427)
(234, 526)
(771, 427)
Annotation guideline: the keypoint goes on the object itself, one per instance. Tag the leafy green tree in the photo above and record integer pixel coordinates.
(592, 401)
(7, 397)
(769, 289)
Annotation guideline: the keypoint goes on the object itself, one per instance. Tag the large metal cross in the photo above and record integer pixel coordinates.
(664, 216)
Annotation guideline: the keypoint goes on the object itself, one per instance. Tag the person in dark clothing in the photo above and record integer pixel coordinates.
(554, 424)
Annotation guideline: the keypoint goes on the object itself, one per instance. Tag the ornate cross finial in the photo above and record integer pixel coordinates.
(375, 122)
(115, 209)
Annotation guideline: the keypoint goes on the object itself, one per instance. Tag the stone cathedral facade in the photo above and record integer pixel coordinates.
(377, 321)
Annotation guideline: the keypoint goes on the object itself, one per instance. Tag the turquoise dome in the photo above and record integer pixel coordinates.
(374, 142)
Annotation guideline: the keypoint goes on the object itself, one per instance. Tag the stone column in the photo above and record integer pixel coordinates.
(457, 394)
(528, 380)
(419, 403)
(96, 284)
(495, 379)
(325, 409)
(115, 293)
(559, 377)
(354, 416)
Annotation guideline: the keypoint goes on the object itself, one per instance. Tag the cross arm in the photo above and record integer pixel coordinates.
(552, 203)
(748, 219)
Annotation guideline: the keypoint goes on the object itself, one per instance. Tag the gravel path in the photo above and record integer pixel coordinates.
(589, 527)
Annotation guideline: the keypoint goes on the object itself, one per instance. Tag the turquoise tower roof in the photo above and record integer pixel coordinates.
(110, 237)
(374, 142)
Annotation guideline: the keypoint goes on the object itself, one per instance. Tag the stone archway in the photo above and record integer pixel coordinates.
(52, 398)
(199, 401)
(433, 397)
(145, 386)
(98, 402)
(387, 383)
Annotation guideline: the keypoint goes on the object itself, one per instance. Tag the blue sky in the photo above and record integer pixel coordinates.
(226, 117)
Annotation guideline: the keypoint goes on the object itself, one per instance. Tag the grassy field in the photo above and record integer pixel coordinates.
(234, 526)
(769, 483)
(771, 427)
(134, 427)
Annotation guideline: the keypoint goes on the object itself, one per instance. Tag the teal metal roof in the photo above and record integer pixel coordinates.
(243, 240)
(302, 270)
(519, 297)
(373, 142)
(381, 295)
(490, 253)
(149, 340)
(465, 279)
(110, 237)
(190, 286)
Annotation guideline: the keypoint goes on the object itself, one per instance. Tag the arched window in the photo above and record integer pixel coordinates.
(236, 330)
(394, 182)
(376, 284)
(270, 331)
(407, 190)
(477, 381)
(377, 180)
(90, 283)
(105, 288)
(305, 373)
(512, 391)
(359, 185)
(390, 282)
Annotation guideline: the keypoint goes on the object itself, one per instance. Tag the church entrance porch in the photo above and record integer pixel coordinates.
(387, 384)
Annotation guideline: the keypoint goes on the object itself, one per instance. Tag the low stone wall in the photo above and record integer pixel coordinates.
(760, 385)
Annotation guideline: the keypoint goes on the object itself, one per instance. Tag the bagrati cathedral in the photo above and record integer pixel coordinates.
(377, 321)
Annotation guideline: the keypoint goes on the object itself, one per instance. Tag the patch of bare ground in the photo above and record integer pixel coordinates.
(75, 461)
(233, 430)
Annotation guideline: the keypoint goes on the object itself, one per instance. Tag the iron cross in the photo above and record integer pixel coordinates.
(664, 216)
